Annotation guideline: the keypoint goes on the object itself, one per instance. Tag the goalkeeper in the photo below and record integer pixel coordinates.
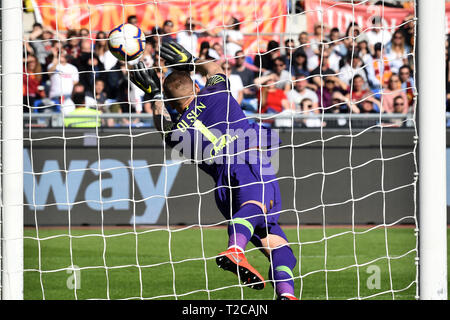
(213, 130)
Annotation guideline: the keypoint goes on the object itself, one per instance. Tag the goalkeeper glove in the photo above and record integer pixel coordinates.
(146, 79)
(177, 56)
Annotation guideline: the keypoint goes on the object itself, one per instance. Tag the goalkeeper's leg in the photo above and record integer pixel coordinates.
(240, 231)
(282, 262)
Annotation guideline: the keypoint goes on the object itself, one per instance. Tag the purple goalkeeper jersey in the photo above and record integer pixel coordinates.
(214, 132)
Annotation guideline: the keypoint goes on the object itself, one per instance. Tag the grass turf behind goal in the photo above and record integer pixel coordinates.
(119, 263)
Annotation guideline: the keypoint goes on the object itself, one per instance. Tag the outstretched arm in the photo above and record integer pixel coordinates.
(179, 58)
(148, 81)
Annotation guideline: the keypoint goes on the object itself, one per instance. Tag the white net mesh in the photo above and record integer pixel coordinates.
(111, 212)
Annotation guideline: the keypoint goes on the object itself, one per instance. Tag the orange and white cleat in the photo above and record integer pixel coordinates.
(235, 261)
(287, 296)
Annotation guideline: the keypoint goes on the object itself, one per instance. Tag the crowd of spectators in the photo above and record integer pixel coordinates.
(323, 72)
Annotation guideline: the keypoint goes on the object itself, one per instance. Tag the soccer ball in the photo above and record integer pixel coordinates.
(126, 42)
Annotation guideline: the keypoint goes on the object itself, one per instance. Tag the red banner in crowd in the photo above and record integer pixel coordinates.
(96, 15)
(340, 14)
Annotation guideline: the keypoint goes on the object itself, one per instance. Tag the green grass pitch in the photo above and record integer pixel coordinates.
(335, 263)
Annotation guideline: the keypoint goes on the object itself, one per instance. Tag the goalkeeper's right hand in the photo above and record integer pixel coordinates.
(146, 79)
(177, 56)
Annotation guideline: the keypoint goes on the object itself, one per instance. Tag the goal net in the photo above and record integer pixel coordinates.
(112, 212)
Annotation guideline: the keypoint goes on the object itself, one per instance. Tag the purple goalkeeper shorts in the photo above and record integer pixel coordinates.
(246, 183)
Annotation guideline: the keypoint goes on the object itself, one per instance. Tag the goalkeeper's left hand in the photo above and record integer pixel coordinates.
(176, 56)
(146, 79)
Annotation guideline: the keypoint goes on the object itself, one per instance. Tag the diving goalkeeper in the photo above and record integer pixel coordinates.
(213, 131)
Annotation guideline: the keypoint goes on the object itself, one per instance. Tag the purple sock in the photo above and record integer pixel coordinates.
(283, 261)
(241, 227)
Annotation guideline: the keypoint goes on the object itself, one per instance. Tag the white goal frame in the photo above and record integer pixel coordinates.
(432, 280)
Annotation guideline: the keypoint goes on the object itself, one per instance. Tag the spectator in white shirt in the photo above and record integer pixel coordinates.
(63, 75)
(233, 39)
(378, 33)
(301, 92)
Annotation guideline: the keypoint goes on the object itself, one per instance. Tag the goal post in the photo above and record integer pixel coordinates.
(11, 151)
(432, 151)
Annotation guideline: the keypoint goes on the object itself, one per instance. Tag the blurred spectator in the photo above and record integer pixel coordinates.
(408, 27)
(397, 51)
(301, 92)
(63, 75)
(89, 66)
(318, 37)
(393, 90)
(325, 94)
(85, 34)
(353, 33)
(407, 81)
(188, 37)
(249, 101)
(79, 100)
(41, 40)
(72, 45)
(378, 33)
(132, 19)
(353, 65)
(148, 55)
(68, 105)
(305, 47)
(288, 56)
(32, 77)
(369, 104)
(233, 39)
(265, 61)
(101, 50)
(167, 31)
(206, 51)
(217, 52)
(322, 71)
(272, 99)
(285, 78)
(300, 64)
(381, 67)
(236, 87)
(307, 108)
(358, 89)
